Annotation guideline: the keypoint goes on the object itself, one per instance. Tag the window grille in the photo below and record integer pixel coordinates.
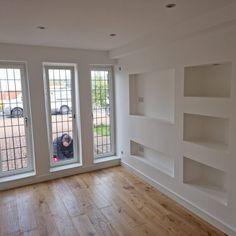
(102, 104)
(61, 103)
(14, 153)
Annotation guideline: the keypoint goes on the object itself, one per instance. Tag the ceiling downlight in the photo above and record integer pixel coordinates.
(41, 27)
(170, 5)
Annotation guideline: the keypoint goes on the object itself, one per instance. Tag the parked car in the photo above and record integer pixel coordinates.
(60, 102)
(60, 106)
(14, 107)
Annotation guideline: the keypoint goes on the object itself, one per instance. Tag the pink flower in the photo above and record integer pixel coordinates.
(55, 159)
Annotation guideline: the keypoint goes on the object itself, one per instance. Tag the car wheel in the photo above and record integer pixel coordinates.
(17, 112)
(64, 109)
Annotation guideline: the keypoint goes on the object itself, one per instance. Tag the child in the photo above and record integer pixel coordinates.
(62, 148)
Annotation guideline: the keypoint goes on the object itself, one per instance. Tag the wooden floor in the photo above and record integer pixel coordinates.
(107, 202)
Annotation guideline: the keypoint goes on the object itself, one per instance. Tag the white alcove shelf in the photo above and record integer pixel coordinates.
(207, 179)
(152, 94)
(208, 131)
(208, 80)
(153, 157)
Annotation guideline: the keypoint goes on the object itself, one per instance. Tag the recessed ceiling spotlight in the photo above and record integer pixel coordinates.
(170, 5)
(41, 27)
(112, 35)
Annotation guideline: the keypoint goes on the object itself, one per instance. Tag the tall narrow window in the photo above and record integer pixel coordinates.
(102, 104)
(62, 129)
(15, 135)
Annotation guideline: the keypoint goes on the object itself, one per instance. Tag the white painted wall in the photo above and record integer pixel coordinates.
(204, 48)
(34, 57)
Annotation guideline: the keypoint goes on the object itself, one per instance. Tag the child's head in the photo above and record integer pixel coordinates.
(66, 140)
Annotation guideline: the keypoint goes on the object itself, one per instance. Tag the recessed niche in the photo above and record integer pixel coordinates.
(205, 178)
(153, 157)
(208, 131)
(208, 80)
(152, 94)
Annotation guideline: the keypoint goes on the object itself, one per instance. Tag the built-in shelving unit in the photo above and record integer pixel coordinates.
(206, 179)
(206, 116)
(208, 131)
(153, 157)
(151, 94)
(208, 80)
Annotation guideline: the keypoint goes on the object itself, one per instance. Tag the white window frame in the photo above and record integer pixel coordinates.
(27, 119)
(112, 110)
(75, 124)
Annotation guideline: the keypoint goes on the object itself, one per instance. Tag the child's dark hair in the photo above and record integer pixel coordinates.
(66, 138)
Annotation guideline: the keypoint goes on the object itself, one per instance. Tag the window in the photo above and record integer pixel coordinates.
(102, 105)
(15, 125)
(60, 103)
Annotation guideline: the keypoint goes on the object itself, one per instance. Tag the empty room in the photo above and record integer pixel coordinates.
(117, 118)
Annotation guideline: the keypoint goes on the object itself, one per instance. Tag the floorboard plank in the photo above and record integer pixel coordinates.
(9, 220)
(27, 217)
(100, 222)
(84, 226)
(45, 222)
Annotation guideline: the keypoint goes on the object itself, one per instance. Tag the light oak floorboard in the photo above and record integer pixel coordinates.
(109, 202)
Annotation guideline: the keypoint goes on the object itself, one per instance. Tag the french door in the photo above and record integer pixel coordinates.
(15, 124)
(103, 111)
(61, 114)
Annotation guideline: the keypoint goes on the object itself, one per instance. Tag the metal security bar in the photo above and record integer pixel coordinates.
(60, 104)
(103, 128)
(60, 97)
(14, 155)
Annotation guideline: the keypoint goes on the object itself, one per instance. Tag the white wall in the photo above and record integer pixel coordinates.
(34, 57)
(167, 138)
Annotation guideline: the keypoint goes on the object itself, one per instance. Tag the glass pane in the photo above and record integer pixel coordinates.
(13, 152)
(60, 91)
(101, 103)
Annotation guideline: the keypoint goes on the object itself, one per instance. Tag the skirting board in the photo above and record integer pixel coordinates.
(230, 231)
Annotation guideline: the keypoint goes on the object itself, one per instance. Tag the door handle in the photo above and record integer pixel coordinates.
(26, 120)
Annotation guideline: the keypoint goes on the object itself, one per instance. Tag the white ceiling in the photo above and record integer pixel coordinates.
(88, 23)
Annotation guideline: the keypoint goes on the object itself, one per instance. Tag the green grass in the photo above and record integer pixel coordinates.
(102, 130)
(1, 105)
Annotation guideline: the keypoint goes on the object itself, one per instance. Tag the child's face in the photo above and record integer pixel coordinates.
(66, 144)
